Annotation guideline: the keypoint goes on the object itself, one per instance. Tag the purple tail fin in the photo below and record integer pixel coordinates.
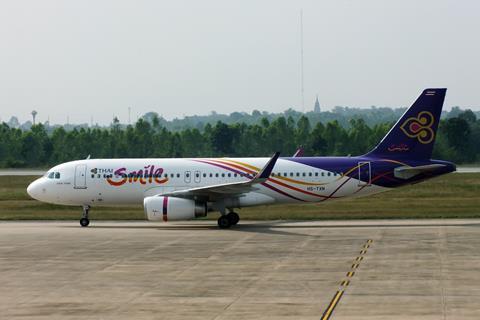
(414, 134)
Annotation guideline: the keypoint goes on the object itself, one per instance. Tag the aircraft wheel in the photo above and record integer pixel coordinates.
(224, 222)
(233, 218)
(84, 222)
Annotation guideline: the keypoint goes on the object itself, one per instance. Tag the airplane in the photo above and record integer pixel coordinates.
(184, 189)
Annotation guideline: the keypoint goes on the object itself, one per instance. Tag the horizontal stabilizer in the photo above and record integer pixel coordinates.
(407, 172)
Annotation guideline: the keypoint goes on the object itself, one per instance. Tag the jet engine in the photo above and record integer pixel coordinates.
(172, 208)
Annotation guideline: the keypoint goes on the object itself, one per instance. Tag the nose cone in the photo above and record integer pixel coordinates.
(33, 189)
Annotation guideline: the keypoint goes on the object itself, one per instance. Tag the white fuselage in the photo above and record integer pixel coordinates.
(128, 181)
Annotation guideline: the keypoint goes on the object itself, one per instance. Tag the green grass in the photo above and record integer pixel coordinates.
(451, 196)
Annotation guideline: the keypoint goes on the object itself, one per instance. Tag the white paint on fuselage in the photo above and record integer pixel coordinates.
(310, 185)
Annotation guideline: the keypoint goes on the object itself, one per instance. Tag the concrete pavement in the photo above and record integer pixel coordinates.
(391, 269)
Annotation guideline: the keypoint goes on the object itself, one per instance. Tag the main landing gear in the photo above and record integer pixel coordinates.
(84, 222)
(228, 220)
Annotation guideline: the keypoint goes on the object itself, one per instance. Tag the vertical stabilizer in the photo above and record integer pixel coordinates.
(414, 134)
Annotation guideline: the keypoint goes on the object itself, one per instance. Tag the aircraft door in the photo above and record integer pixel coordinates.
(188, 176)
(364, 174)
(197, 176)
(80, 181)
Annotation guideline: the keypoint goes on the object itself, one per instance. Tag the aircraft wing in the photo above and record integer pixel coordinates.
(226, 190)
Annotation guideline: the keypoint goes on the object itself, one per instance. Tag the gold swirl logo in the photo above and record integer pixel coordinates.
(420, 127)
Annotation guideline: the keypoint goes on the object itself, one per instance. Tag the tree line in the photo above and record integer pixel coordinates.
(458, 140)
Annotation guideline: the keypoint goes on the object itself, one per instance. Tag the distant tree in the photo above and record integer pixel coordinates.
(457, 131)
(302, 136)
(468, 116)
(336, 138)
(318, 144)
(457, 139)
(358, 137)
(222, 138)
(34, 145)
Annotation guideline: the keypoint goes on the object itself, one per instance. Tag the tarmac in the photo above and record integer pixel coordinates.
(369, 269)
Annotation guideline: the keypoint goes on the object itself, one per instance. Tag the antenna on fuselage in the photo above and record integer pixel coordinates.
(88, 157)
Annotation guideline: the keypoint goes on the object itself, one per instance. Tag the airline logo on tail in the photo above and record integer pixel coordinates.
(420, 127)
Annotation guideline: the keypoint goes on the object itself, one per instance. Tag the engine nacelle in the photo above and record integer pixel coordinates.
(172, 208)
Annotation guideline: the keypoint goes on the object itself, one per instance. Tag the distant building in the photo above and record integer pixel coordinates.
(316, 109)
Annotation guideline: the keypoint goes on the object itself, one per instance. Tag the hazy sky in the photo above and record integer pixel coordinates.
(97, 58)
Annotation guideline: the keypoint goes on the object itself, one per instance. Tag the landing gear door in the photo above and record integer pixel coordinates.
(364, 174)
(80, 181)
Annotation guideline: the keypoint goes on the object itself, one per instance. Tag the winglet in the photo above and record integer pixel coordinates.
(267, 170)
(299, 152)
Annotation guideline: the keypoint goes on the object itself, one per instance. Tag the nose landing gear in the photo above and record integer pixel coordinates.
(84, 221)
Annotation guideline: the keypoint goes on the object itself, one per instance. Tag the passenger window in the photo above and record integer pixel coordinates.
(328, 174)
(172, 175)
(273, 174)
(303, 174)
(211, 175)
(178, 175)
(216, 175)
(285, 174)
(229, 175)
(235, 175)
(51, 175)
(309, 174)
(323, 174)
(298, 174)
(223, 175)
(291, 174)
(204, 175)
(187, 175)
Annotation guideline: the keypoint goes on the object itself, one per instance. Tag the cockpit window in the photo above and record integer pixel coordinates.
(57, 175)
(51, 175)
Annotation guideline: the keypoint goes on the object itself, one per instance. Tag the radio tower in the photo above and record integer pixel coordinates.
(34, 114)
(301, 60)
